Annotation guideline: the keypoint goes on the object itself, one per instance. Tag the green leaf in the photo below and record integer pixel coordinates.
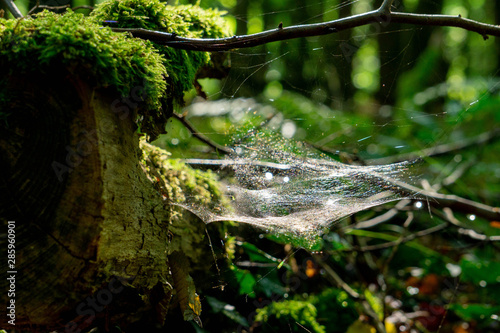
(475, 311)
(379, 235)
(270, 286)
(476, 270)
(256, 254)
(245, 280)
(227, 309)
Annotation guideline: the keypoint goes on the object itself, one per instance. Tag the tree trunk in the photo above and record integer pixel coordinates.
(90, 229)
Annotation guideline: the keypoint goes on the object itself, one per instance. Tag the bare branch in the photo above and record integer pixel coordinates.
(386, 6)
(381, 16)
(441, 149)
(448, 216)
(452, 201)
(447, 21)
(338, 280)
(13, 8)
(38, 6)
(200, 136)
(384, 217)
(405, 239)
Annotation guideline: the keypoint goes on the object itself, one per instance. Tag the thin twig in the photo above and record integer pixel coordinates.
(13, 8)
(200, 136)
(408, 238)
(386, 6)
(338, 280)
(458, 173)
(83, 7)
(454, 202)
(38, 6)
(384, 217)
(449, 217)
(441, 149)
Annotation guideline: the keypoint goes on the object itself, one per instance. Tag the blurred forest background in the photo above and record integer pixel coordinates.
(375, 94)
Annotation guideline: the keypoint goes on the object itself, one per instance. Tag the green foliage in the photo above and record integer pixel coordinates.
(329, 311)
(476, 312)
(281, 314)
(431, 87)
(245, 281)
(336, 311)
(227, 310)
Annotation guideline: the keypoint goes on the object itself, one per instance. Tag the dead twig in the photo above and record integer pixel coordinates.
(201, 137)
(401, 240)
(13, 8)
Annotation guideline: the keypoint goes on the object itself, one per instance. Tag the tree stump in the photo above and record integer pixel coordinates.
(88, 223)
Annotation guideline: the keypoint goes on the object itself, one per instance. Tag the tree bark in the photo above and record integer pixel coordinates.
(91, 231)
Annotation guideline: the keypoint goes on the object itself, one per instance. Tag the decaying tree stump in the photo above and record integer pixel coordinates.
(84, 207)
(92, 230)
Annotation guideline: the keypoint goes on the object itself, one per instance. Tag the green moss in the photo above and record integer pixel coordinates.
(181, 182)
(186, 21)
(330, 311)
(80, 44)
(287, 314)
(87, 50)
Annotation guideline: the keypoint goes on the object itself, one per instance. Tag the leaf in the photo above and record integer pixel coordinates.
(227, 309)
(379, 235)
(256, 254)
(477, 270)
(245, 280)
(475, 311)
(189, 301)
(375, 303)
(270, 285)
(360, 327)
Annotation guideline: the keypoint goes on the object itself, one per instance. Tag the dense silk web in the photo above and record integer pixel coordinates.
(285, 186)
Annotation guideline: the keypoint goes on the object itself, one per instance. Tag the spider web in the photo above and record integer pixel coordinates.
(285, 186)
(281, 184)
(275, 179)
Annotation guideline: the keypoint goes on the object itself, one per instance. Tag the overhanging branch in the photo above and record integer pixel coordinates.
(381, 16)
